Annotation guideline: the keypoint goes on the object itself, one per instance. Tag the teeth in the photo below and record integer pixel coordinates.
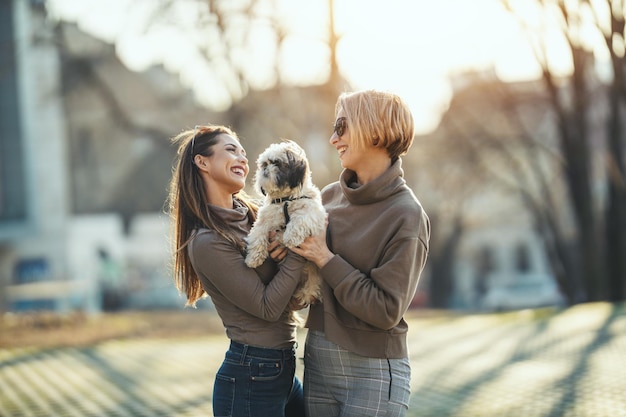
(238, 171)
(342, 149)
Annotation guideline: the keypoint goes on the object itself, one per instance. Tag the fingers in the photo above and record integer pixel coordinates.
(278, 253)
(298, 250)
(273, 245)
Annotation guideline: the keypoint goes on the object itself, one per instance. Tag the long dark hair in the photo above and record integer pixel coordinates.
(189, 209)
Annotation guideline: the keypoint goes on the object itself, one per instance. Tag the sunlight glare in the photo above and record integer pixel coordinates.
(411, 48)
(303, 62)
(304, 55)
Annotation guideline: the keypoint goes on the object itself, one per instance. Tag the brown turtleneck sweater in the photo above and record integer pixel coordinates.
(379, 234)
(252, 303)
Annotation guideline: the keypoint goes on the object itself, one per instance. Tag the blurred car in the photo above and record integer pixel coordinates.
(527, 291)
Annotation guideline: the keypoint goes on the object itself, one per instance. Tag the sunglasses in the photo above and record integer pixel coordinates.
(340, 126)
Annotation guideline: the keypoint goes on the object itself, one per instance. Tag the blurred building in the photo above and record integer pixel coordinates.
(80, 133)
(33, 184)
(86, 159)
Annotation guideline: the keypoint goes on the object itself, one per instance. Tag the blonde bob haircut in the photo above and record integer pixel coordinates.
(379, 119)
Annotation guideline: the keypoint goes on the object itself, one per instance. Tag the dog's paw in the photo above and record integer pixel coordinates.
(295, 235)
(291, 241)
(255, 258)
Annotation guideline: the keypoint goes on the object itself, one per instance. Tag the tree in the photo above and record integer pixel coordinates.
(600, 220)
(497, 136)
(227, 36)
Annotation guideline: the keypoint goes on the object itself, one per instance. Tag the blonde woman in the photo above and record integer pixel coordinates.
(370, 260)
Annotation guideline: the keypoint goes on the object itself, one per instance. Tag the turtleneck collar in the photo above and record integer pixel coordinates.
(236, 216)
(378, 189)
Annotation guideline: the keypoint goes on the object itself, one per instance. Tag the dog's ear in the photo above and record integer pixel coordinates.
(297, 170)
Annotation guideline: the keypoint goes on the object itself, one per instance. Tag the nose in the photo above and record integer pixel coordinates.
(333, 138)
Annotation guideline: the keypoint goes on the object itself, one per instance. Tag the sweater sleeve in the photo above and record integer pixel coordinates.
(222, 270)
(382, 298)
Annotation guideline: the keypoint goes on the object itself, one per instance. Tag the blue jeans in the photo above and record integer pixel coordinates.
(257, 382)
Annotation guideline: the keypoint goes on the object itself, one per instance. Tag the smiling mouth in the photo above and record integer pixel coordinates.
(239, 171)
(341, 150)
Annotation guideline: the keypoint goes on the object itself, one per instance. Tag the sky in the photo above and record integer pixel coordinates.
(410, 47)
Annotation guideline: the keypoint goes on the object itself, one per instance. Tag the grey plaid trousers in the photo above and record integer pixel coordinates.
(338, 383)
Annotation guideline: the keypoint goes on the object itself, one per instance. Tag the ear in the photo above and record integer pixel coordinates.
(201, 162)
(297, 170)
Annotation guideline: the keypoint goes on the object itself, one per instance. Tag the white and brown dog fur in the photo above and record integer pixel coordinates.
(292, 207)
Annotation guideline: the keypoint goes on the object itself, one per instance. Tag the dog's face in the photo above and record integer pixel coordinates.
(281, 169)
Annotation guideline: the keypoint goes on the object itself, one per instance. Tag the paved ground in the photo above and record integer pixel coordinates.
(572, 364)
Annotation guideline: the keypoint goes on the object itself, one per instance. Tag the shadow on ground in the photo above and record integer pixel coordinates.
(566, 364)
(540, 363)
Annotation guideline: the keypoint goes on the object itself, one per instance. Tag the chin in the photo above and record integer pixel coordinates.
(238, 187)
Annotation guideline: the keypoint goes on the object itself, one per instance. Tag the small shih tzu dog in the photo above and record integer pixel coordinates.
(291, 207)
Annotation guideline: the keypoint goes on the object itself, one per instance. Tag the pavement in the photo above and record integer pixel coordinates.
(571, 363)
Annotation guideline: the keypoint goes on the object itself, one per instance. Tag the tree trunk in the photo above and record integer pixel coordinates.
(574, 136)
(616, 201)
(441, 261)
(615, 215)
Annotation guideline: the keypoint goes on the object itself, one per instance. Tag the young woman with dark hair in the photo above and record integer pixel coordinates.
(211, 216)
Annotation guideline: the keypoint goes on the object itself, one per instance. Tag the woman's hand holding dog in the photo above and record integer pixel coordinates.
(314, 248)
(275, 249)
